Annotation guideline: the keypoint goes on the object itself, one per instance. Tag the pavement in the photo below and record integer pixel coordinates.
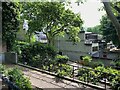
(47, 82)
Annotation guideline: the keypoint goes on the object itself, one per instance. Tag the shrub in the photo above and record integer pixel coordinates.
(95, 64)
(115, 64)
(88, 75)
(37, 52)
(87, 60)
(116, 83)
(118, 63)
(2, 69)
(18, 78)
(62, 59)
(64, 70)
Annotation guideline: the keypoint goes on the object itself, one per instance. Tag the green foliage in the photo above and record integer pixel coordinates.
(2, 69)
(19, 45)
(64, 70)
(109, 31)
(100, 73)
(62, 59)
(88, 75)
(53, 19)
(17, 77)
(87, 60)
(94, 64)
(116, 83)
(37, 54)
(10, 22)
(95, 29)
(115, 64)
(108, 73)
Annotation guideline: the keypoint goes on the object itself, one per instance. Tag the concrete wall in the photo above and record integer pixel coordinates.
(73, 51)
(106, 62)
(2, 58)
(8, 58)
(112, 56)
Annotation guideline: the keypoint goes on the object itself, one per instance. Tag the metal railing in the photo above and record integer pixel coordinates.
(10, 84)
(104, 84)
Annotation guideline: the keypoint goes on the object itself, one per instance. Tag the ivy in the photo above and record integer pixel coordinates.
(10, 22)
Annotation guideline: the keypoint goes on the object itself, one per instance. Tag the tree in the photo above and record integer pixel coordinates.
(110, 13)
(109, 31)
(109, 26)
(10, 22)
(53, 19)
(95, 29)
(112, 17)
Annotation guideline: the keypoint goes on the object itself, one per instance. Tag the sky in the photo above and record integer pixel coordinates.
(89, 12)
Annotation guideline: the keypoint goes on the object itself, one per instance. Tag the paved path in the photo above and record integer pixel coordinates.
(46, 81)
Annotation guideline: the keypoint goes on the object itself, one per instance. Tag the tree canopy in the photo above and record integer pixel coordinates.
(53, 19)
(95, 29)
(111, 15)
(10, 22)
(108, 31)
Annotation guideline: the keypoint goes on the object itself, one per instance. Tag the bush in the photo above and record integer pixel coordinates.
(115, 64)
(88, 75)
(17, 77)
(87, 60)
(2, 69)
(62, 59)
(118, 63)
(108, 73)
(116, 83)
(95, 64)
(64, 70)
(37, 52)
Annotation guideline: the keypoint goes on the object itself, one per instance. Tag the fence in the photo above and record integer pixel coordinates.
(10, 84)
(104, 84)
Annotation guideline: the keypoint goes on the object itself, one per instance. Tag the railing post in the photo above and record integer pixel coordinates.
(73, 72)
(105, 84)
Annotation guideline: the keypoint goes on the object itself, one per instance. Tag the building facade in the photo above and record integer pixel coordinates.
(87, 46)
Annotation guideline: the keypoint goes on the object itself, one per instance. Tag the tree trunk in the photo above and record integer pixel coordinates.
(51, 41)
(112, 16)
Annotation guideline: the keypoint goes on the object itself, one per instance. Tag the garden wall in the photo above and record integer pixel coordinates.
(8, 58)
(106, 62)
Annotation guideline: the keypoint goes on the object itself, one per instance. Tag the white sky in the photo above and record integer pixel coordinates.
(89, 12)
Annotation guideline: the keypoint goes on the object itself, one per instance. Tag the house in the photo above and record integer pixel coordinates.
(41, 37)
(88, 45)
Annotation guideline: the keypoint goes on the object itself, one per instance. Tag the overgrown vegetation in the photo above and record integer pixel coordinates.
(100, 73)
(10, 23)
(17, 77)
(53, 19)
(37, 54)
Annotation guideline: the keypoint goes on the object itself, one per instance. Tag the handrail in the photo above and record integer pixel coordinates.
(10, 84)
(66, 78)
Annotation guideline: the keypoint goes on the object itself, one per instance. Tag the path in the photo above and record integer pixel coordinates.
(46, 81)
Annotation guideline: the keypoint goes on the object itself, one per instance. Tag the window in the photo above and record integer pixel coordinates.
(94, 49)
(91, 36)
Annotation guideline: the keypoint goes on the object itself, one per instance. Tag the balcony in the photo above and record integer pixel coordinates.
(88, 42)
